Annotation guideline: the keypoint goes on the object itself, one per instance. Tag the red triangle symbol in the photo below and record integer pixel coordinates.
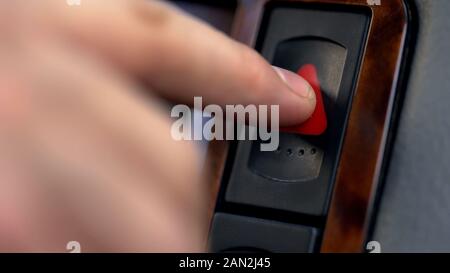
(317, 123)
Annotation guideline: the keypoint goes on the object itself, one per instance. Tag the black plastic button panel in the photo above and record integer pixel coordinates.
(247, 234)
(299, 176)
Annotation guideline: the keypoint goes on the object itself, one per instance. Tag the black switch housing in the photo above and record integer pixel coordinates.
(240, 234)
(299, 176)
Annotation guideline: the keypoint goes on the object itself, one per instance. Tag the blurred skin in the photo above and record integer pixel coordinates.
(84, 155)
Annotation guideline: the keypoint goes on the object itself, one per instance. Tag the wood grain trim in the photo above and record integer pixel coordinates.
(364, 142)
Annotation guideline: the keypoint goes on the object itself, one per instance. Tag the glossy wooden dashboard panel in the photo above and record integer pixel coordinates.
(364, 146)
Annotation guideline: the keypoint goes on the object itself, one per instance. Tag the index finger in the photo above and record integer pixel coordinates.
(180, 57)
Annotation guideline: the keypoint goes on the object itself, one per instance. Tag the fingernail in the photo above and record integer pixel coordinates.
(296, 83)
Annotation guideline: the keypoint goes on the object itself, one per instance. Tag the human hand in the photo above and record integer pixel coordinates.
(84, 155)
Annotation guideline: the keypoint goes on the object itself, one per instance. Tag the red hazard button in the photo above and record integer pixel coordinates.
(317, 123)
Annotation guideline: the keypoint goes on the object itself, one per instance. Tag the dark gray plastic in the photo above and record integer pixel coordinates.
(299, 176)
(246, 234)
(217, 13)
(305, 153)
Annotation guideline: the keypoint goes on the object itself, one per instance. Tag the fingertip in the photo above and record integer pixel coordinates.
(296, 83)
(304, 102)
